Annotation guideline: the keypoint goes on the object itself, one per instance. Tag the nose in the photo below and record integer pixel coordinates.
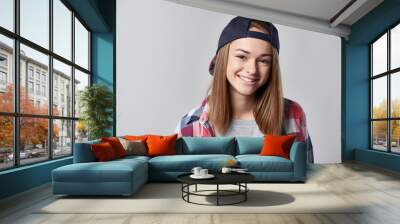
(251, 67)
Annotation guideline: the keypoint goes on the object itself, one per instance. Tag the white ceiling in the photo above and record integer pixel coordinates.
(314, 15)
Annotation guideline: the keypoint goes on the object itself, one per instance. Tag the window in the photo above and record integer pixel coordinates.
(3, 61)
(38, 74)
(81, 45)
(62, 29)
(56, 126)
(30, 72)
(30, 87)
(3, 78)
(38, 89)
(34, 21)
(43, 90)
(385, 91)
(7, 14)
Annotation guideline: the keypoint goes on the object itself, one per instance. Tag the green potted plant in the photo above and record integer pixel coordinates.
(96, 102)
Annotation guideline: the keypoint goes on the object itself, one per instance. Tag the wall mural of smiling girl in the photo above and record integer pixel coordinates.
(246, 97)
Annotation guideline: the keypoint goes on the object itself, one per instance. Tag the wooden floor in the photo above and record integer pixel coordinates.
(378, 188)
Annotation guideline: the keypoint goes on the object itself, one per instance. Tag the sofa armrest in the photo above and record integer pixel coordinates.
(83, 152)
(299, 159)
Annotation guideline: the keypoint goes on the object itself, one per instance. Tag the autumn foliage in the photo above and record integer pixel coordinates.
(380, 127)
(33, 131)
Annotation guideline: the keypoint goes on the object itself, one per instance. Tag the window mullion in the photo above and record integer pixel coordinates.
(371, 99)
(16, 84)
(50, 87)
(73, 82)
(389, 93)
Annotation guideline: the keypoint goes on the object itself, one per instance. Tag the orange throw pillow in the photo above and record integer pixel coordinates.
(116, 145)
(161, 145)
(103, 151)
(277, 145)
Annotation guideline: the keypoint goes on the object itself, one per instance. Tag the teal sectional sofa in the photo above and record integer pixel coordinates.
(125, 176)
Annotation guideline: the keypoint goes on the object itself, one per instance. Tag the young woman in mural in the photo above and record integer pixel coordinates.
(246, 97)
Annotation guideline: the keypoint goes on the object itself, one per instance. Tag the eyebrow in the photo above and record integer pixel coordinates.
(247, 52)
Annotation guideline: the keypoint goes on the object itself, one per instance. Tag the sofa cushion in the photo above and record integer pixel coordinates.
(185, 163)
(115, 170)
(257, 163)
(249, 145)
(206, 145)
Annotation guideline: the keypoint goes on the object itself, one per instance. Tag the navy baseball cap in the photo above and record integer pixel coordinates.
(238, 28)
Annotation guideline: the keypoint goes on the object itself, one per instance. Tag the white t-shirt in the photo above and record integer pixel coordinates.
(242, 128)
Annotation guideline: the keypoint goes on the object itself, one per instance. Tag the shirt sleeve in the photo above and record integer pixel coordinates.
(298, 127)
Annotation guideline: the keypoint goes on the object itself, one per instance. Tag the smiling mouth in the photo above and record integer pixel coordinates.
(248, 80)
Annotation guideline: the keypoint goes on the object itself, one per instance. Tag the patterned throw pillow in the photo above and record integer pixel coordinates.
(134, 147)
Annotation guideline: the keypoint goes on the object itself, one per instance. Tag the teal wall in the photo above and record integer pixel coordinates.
(24, 178)
(103, 63)
(99, 15)
(355, 62)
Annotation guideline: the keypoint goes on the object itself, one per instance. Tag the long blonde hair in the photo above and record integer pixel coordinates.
(269, 109)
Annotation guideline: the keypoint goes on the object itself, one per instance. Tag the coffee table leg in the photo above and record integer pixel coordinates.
(245, 193)
(188, 189)
(217, 194)
(196, 188)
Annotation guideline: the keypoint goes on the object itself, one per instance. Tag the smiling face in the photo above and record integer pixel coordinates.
(249, 65)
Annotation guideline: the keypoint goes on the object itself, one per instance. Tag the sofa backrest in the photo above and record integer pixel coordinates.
(249, 145)
(205, 145)
(83, 152)
(190, 146)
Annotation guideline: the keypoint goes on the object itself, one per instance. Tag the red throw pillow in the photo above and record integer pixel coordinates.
(161, 145)
(277, 145)
(103, 151)
(116, 145)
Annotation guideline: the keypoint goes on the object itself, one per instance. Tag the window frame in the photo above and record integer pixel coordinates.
(388, 74)
(16, 115)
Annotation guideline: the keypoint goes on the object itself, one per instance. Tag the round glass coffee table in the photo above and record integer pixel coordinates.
(238, 179)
